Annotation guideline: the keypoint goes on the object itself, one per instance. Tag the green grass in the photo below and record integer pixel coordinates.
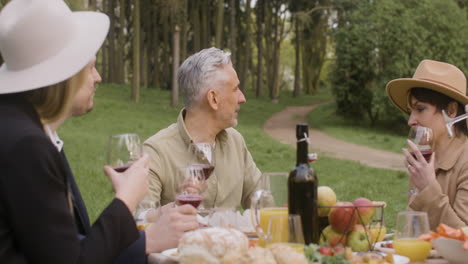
(86, 138)
(384, 138)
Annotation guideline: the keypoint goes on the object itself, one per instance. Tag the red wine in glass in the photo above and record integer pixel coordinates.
(207, 169)
(122, 168)
(192, 199)
(426, 154)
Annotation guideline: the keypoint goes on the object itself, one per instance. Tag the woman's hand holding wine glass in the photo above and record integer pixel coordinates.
(420, 157)
(130, 183)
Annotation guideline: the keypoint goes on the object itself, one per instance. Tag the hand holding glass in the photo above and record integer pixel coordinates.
(123, 150)
(409, 226)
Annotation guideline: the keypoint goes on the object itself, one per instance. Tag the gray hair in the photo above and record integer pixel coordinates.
(197, 73)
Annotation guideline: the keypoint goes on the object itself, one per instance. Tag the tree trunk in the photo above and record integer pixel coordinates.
(92, 5)
(175, 67)
(247, 54)
(166, 56)
(183, 33)
(219, 24)
(197, 31)
(297, 67)
(111, 37)
(233, 33)
(136, 52)
(121, 47)
(155, 57)
(260, 19)
(205, 33)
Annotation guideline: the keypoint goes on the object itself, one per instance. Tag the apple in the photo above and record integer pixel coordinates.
(365, 210)
(342, 217)
(325, 197)
(332, 237)
(378, 232)
(359, 239)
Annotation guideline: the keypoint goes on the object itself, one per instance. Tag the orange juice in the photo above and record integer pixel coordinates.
(265, 214)
(296, 246)
(413, 248)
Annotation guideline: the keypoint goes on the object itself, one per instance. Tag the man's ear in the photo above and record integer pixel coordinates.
(213, 99)
(452, 109)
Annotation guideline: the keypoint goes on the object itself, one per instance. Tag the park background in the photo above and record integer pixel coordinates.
(286, 53)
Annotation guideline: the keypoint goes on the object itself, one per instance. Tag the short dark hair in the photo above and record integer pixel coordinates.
(441, 102)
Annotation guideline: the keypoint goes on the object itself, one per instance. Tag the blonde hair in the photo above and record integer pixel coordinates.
(54, 101)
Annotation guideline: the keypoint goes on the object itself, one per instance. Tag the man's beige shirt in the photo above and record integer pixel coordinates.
(446, 200)
(233, 181)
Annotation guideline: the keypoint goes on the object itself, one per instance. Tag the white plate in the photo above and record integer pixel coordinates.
(380, 247)
(400, 259)
(172, 252)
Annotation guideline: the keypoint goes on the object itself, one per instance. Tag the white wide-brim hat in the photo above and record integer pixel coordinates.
(43, 42)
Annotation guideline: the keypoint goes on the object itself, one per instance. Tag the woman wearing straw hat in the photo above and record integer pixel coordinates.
(48, 76)
(441, 183)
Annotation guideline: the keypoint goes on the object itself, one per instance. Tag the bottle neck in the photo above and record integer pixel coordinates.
(302, 153)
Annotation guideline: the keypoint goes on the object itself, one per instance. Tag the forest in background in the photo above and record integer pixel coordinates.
(353, 47)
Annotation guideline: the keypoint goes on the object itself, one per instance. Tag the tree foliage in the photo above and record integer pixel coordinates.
(381, 40)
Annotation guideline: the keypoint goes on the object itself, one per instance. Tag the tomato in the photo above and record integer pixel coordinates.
(326, 251)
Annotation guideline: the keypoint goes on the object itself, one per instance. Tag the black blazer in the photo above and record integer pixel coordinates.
(36, 223)
(134, 254)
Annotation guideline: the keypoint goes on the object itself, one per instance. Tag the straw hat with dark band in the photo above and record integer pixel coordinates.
(438, 76)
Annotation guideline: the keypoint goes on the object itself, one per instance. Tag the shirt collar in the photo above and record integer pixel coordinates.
(58, 143)
(221, 137)
(449, 156)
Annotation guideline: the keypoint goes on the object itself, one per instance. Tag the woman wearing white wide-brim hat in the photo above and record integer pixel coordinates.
(49, 55)
(441, 182)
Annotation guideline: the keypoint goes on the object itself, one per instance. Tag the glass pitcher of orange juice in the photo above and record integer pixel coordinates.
(262, 208)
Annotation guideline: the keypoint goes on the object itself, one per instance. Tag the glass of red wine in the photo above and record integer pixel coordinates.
(190, 185)
(423, 138)
(123, 150)
(203, 157)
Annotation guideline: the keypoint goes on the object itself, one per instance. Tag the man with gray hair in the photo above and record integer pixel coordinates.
(212, 99)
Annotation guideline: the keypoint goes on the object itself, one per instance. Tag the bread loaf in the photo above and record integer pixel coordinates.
(217, 241)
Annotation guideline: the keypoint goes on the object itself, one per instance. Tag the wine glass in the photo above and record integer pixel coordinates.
(286, 229)
(204, 157)
(146, 213)
(423, 138)
(409, 226)
(190, 185)
(123, 150)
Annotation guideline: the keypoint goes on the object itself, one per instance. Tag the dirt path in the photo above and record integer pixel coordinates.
(281, 127)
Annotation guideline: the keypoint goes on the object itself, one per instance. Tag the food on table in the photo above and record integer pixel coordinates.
(365, 210)
(340, 255)
(285, 254)
(255, 255)
(378, 232)
(342, 217)
(326, 198)
(215, 241)
(444, 230)
(333, 238)
(194, 254)
(359, 238)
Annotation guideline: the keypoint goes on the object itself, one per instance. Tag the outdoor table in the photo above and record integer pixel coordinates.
(157, 258)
